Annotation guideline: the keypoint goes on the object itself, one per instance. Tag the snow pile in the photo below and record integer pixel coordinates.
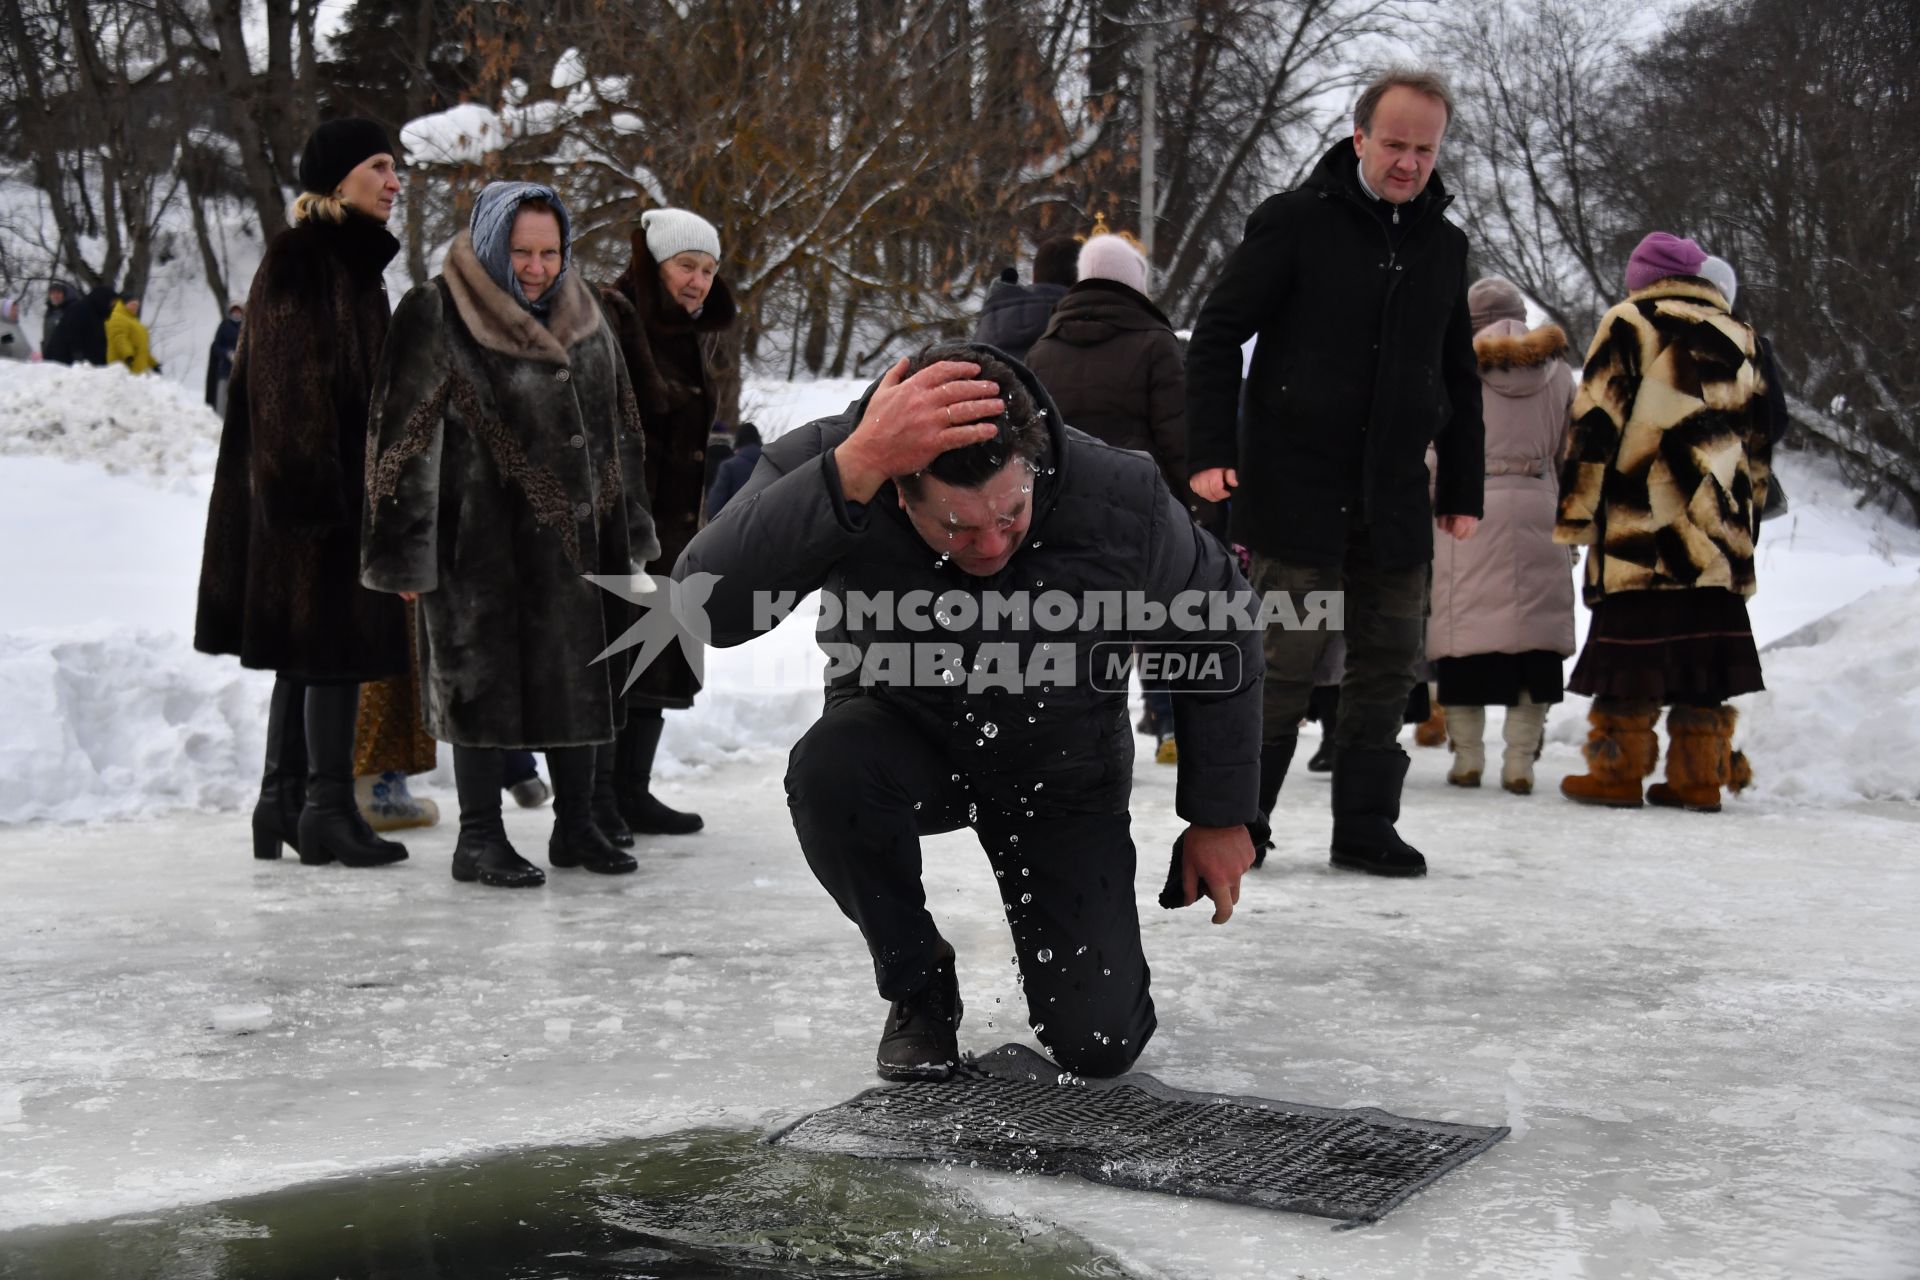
(1840, 719)
(459, 135)
(138, 426)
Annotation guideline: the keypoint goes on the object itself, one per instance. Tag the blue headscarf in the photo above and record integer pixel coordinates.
(492, 230)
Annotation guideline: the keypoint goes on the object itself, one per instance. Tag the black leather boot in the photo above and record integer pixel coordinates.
(606, 803)
(633, 775)
(921, 1040)
(1274, 759)
(576, 841)
(483, 852)
(1366, 804)
(1321, 761)
(283, 784)
(331, 825)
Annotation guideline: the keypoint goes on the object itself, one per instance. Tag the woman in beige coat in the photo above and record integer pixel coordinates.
(1502, 621)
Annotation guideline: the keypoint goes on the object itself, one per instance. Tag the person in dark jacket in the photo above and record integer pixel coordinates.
(1356, 285)
(60, 300)
(82, 335)
(667, 309)
(280, 572)
(506, 468)
(1015, 315)
(1113, 365)
(954, 489)
(220, 359)
(733, 473)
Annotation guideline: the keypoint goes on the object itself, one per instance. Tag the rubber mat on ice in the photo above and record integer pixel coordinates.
(1013, 1109)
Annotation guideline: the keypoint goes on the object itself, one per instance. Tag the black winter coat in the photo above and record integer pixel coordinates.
(280, 572)
(81, 337)
(1103, 521)
(731, 478)
(220, 358)
(1015, 315)
(507, 465)
(1365, 357)
(666, 354)
(1112, 364)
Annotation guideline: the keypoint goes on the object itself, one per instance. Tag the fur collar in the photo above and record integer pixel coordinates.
(1521, 350)
(502, 325)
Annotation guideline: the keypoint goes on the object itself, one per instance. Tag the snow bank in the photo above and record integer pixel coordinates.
(464, 134)
(140, 426)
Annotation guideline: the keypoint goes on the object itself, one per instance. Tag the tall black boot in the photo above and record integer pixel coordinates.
(483, 852)
(283, 784)
(1274, 759)
(633, 775)
(331, 825)
(1321, 761)
(1366, 804)
(606, 800)
(576, 842)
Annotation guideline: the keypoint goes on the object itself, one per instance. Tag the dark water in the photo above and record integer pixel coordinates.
(706, 1203)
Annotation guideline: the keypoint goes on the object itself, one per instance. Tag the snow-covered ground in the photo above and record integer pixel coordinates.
(1703, 1030)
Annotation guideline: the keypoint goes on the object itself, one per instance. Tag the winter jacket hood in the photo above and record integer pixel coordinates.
(1015, 315)
(1092, 311)
(1516, 361)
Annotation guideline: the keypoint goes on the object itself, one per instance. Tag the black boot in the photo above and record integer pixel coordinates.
(283, 784)
(606, 803)
(633, 774)
(1366, 804)
(921, 1040)
(331, 825)
(576, 841)
(1274, 759)
(483, 852)
(1326, 701)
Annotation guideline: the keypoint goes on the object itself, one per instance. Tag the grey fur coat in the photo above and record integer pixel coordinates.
(505, 463)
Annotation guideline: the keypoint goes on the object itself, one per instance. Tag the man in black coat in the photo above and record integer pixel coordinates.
(1356, 286)
(82, 335)
(982, 563)
(1016, 315)
(736, 470)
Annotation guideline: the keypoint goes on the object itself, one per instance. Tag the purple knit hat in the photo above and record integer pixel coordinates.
(1661, 255)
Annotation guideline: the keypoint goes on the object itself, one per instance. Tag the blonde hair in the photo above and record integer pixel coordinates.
(311, 206)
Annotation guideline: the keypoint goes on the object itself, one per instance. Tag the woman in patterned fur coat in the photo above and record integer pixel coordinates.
(1663, 485)
(505, 467)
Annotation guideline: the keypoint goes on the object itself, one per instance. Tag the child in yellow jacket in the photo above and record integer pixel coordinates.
(127, 338)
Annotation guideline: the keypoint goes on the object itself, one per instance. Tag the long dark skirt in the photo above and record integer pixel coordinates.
(1498, 679)
(1692, 647)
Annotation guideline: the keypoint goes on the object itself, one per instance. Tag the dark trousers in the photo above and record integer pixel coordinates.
(1386, 630)
(864, 785)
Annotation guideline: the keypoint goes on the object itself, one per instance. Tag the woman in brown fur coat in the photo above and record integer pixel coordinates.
(506, 469)
(666, 308)
(1664, 485)
(1502, 617)
(279, 575)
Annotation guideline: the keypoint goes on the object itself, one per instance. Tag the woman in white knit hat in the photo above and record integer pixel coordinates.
(667, 308)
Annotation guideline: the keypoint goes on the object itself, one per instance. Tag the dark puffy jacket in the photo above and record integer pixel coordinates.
(1365, 357)
(1103, 521)
(220, 358)
(1111, 361)
(82, 335)
(731, 478)
(1016, 315)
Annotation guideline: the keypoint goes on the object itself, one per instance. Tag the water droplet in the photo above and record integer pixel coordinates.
(1039, 582)
(1036, 786)
(947, 677)
(1082, 951)
(1043, 955)
(1029, 719)
(979, 742)
(991, 729)
(1107, 972)
(1026, 898)
(956, 777)
(916, 804)
(1000, 873)
(1026, 488)
(1013, 839)
(1029, 813)
(969, 717)
(1026, 871)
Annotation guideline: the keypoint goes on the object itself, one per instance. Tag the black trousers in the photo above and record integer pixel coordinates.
(864, 784)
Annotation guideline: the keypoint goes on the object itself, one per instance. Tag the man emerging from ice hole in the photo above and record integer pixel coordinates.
(952, 494)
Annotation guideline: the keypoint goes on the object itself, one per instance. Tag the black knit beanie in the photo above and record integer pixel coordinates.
(336, 149)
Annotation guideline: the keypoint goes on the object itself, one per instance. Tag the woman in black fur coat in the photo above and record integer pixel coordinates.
(507, 465)
(279, 574)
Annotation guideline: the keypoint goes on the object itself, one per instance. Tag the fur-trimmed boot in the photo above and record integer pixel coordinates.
(1621, 749)
(1525, 727)
(1467, 733)
(1700, 760)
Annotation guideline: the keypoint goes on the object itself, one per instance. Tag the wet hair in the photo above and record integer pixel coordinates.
(1057, 261)
(1418, 79)
(1023, 428)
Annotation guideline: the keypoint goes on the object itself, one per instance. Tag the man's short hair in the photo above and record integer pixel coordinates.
(1057, 261)
(1418, 79)
(745, 434)
(1023, 428)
